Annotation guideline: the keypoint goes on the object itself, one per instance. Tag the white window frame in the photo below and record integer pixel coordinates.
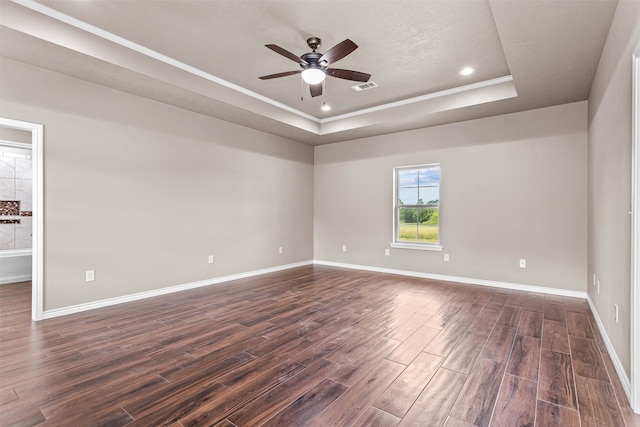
(395, 243)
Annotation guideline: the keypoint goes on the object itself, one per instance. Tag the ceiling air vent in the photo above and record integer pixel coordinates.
(364, 86)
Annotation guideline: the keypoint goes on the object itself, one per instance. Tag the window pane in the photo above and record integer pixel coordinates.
(407, 215)
(420, 225)
(408, 225)
(408, 190)
(418, 205)
(407, 177)
(428, 227)
(419, 186)
(430, 196)
(408, 196)
(429, 176)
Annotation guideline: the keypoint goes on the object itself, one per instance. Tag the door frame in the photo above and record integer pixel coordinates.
(37, 188)
(635, 232)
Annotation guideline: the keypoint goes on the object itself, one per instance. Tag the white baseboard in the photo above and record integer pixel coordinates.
(15, 279)
(163, 291)
(481, 282)
(624, 379)
(48, 314)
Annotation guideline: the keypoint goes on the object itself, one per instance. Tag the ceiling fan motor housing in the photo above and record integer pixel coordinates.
(311, 60)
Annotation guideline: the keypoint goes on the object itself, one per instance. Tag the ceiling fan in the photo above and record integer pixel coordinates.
(314, 65)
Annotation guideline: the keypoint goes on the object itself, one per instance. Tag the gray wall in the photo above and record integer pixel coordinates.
(142, 192)
(610, 178)
(513, 186)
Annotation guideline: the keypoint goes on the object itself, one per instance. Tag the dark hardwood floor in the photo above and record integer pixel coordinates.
(312, 346)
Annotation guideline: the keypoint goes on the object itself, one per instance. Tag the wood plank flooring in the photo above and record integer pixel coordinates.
(312, 346)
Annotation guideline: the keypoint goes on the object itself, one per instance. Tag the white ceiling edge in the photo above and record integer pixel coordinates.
(72, 33)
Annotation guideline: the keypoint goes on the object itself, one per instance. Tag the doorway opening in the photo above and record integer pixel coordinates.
(36, 218)
(15, 207)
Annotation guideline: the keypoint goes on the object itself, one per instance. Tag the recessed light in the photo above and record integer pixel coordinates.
(325, 107)
(466, 71)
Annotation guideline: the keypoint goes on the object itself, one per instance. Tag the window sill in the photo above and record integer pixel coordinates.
(416, 246)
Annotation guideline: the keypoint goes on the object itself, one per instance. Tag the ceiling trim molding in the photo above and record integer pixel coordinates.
(106, 35)
(428, 96)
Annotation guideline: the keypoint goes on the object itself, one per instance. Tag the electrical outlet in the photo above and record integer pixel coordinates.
(446, 257)
(387, 252)
(344, 248)
(616, 314)
(90, 275)
(212, 260)
(280, 250)
(598, 285)
(523, 263)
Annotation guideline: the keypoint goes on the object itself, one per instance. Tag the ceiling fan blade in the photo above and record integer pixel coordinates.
(275, 76)
(348, 74)
(338, 52)
(286, 54)
(316, 90)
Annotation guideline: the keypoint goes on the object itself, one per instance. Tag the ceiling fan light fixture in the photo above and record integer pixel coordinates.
(313, 76)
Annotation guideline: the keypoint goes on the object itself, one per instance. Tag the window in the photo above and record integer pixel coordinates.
(417, 207)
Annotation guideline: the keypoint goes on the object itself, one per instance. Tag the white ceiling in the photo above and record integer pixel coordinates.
(206, 56)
